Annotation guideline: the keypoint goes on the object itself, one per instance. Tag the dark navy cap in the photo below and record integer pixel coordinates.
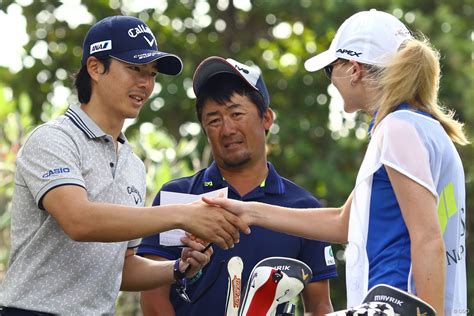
(215, 65)
(130, 40)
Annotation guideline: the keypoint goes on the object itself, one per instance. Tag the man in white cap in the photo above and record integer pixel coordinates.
(80, 190)
(232, 106)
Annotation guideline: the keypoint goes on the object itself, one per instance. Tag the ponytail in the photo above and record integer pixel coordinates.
(413, 76)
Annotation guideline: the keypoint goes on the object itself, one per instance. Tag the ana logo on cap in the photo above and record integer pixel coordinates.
(101, 46)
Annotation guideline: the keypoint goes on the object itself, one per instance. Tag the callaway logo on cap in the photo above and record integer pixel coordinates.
(215, 65)
(369, 37)
(130, 40)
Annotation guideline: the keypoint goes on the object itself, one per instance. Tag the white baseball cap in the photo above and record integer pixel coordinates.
(369, 37)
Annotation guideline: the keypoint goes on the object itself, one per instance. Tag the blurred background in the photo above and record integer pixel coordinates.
(313, 142)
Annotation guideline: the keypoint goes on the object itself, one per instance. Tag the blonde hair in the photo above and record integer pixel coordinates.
(413, 77)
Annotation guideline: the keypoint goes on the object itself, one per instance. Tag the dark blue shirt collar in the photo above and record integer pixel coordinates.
(273, 184)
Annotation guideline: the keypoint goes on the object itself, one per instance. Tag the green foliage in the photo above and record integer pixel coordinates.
(164, 157)
(15, 123)
(301, 144)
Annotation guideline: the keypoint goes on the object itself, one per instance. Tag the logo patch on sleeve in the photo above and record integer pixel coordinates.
(56, 171)
(329, 256)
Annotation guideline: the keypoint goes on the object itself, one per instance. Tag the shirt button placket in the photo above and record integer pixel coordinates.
(112, 154)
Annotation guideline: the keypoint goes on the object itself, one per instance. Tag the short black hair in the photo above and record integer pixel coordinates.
(82, 81)
(220, 89)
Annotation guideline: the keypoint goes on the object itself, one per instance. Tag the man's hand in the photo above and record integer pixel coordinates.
(241, 209)
(194, 256)
(214, 224)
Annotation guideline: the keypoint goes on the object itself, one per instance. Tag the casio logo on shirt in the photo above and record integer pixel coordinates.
(54, 171)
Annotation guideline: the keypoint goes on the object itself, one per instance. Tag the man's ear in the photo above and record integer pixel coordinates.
(268, 118)
(95, 68)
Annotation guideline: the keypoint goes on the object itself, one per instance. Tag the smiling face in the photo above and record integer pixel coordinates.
(235, 131)
(124, 89)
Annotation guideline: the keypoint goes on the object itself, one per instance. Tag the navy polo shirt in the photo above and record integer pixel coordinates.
(260, 244)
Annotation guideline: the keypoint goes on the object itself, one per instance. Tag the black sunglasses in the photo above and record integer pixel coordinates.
(329, 68)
